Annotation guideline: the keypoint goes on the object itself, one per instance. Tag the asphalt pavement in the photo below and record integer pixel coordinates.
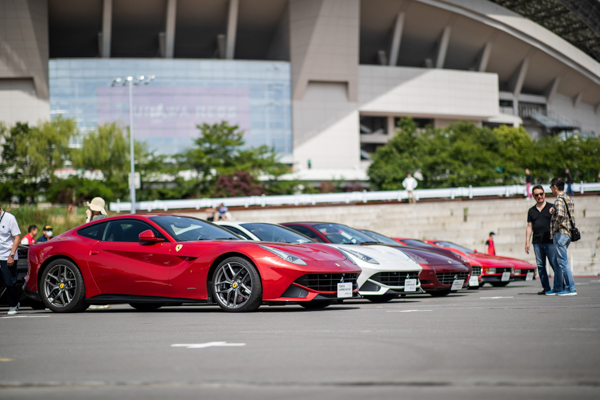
(492, 343)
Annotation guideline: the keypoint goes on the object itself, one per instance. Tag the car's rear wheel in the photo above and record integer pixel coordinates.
(499, 284)
(379, 299)
(440, 293)
(62, 288)
(316, 305)
(145, 306)
(236, 285)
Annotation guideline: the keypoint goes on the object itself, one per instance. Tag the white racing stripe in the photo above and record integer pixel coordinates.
(407, 310)
(209, 344)
(26, 316)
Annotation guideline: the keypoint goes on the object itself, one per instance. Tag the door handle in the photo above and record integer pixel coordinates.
(94, 252)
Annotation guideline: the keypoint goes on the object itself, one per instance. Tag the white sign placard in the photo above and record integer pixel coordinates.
(410, 285)
(457, 284)
(529, 276)
(473, 281)
(505, 277)
(344, 290)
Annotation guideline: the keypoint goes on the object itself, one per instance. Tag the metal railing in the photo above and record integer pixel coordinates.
(349, 197)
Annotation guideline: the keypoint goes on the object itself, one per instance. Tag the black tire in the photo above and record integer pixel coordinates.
(380, 299)
(145, 306)
(474, 287)
(499, 284)
(316, 305)
(440, 293)
(236, 285)
(68, 298)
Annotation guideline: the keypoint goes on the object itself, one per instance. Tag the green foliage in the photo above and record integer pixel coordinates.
(464, 154)
(28, 215)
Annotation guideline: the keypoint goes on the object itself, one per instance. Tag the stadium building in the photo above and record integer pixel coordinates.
(321, 81)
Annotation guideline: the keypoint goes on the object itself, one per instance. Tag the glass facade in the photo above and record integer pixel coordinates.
(252, 94)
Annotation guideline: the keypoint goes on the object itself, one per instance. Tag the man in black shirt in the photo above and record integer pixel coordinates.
(538, 223)
(569, 182)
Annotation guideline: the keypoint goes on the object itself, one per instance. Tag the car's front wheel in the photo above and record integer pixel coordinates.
(236, 285)
(62, 288)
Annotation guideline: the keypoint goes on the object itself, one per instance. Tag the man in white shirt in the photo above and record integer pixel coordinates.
(9, 242)
(410, 184)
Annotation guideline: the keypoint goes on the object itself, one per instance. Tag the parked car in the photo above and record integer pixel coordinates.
(443, 272)
(453, 274)
(476, 267)
(496, 270)
(149, 261)
(385, 272)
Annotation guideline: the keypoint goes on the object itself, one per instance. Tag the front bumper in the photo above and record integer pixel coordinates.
(495, 278)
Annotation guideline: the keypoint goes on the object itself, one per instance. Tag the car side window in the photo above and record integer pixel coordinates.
(128, 230)
(306, 232)
(236, 231)
(95, 231)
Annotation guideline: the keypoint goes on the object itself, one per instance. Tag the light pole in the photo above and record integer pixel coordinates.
(130, 81)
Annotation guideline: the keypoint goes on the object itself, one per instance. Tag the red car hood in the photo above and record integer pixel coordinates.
(491, 261)
(518, 263)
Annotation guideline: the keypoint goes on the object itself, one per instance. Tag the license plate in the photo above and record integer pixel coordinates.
(410, 285)
(457, 284)
(473, 281)
(344, 289)
(505, 277)
(529, 276)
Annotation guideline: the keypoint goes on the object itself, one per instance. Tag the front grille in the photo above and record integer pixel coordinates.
(447, 278)
(326, 282)
(476, 271)
(394, 278)
(501, 270)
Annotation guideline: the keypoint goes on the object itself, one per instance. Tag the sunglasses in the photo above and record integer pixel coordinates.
(538, 194)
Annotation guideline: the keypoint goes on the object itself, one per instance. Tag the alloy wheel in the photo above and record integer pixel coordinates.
(233, 285)
(60, 285)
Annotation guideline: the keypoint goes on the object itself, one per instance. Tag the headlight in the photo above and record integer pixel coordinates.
(489, 270)
(347, 256)
(517, 272)
(417, 259)
(284, 256)
(362, 257)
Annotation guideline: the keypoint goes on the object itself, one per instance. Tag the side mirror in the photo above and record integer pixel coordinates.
(148, 236)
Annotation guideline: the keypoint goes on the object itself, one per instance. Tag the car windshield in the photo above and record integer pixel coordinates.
(342, 234)
(276, 233)
(185, 229)
(380, 238)
(454, 246)
(417, 243)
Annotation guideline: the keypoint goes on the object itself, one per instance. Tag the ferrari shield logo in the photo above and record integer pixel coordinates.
(178, 247)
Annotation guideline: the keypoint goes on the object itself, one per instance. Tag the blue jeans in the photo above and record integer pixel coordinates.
(543, 251)
(570, 190)
(562, 270)
(9, 278)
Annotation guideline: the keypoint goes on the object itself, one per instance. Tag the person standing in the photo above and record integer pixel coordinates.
(10, 236)
(29, 239)
(560, 230)
(490, 248)
(46, 234)
(528, 183)
(538, 224)
(569, 181)
(410, 184)
(95, 210)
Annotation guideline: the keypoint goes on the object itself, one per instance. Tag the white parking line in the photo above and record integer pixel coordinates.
(497, 297)
(26, 316)
(407, 310)
(209, 344)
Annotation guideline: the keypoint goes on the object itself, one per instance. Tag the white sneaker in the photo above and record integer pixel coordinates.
(13, 310)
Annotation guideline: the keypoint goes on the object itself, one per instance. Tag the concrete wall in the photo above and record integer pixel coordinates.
(583, 113)
(24, 61)
(464, 222)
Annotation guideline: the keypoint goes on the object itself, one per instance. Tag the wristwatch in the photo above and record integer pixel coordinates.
(12, 255)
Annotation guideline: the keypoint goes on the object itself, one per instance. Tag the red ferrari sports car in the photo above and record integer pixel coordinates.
(476, 267)
(149, 261)
(497, 271)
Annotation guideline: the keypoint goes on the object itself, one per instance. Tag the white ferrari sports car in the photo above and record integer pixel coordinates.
(386, 272)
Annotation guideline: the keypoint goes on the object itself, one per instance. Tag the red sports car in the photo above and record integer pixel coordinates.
(149, 261)
(497, 271)
(476, 267)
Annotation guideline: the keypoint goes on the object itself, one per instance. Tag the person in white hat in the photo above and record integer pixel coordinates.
(95, 210)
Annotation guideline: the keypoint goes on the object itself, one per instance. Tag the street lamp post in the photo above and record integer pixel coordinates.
(129, 81)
